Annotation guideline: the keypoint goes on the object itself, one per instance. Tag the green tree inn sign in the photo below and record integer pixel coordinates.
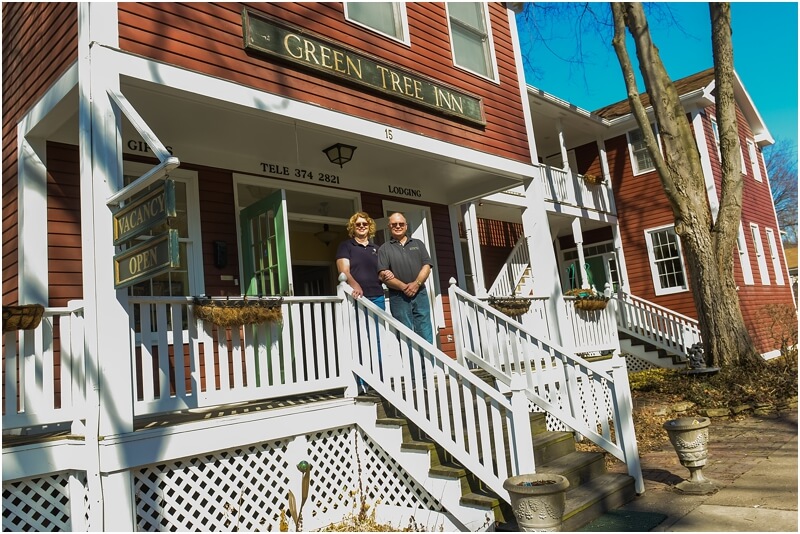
(274, 38)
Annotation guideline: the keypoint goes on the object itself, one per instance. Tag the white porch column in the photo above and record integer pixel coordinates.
(455, 215)
(474, 246)
(577, 235)
(544, 266)
(622, 267)
(562, 144)
(107, 342)
(32, 190)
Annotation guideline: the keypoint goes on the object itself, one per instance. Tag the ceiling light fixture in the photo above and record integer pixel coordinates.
(339, 153)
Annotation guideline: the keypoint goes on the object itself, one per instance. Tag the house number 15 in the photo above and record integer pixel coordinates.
(388, 133)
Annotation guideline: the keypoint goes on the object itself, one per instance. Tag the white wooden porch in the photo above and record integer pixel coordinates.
(200, 390)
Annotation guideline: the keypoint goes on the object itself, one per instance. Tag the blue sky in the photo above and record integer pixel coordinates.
(765, 44)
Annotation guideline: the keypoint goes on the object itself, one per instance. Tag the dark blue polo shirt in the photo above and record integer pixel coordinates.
(363, 265)
(405, 261)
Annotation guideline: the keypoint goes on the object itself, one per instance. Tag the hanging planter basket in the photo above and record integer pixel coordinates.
(592, 179)
(238, 312)
(587, 300)
(511, 306)
(25, 317)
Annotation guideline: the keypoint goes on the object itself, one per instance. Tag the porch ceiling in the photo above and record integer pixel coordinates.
(210, 132)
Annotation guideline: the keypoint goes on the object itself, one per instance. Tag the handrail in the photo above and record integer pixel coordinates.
(476, 424)
(512, 271)
(569, 388)
(34, 395)
(660, 326)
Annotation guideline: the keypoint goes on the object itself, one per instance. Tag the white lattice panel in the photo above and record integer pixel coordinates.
(37, 504)
(635, 364)
(246, 488)
(241, 489)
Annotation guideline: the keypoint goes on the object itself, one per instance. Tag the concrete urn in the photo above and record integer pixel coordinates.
(538, 501)
(689, 437)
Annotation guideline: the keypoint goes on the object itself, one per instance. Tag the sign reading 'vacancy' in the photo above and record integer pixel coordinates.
(145, 212)
(277, 39)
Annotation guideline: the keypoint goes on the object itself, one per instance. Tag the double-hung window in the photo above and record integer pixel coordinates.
(640, 157)
(751, 149)
(387, 18)
(666, 260)
(773, 254)
(470, 38)
(761, 259)
(744, 258)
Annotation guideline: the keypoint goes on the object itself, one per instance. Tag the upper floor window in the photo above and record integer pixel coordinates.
(666, 260)
(470, 38)
(751, 149)
(773, 254)
(760, 258)
(387, 18)
(640, 157)
(715, 130)
(744, 259)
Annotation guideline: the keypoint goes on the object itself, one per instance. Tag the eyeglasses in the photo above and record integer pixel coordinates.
(397, 225)
(361, 225)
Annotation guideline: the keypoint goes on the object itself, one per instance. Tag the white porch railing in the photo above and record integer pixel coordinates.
(593, 330)
(510, 274)
(656, 324)
(44, 373)
(585, 399)
(181, 362)
(565, 187)
(487, 433)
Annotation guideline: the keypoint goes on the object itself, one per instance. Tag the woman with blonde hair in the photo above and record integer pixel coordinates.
(357, 258)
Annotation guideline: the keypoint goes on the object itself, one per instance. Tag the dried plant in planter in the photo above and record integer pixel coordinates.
(238, 312)
(511, 306)
(587, 299)
(592, 179)
(25, 317)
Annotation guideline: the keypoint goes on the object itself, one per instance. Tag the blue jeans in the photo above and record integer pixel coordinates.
(414, 312)
(379, 301)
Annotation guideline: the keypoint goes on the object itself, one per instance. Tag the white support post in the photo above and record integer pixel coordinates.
(577, 235)
(346, 348)
(546, 282)
(32, 191)
(110, 387)
(474, 246)
(623, 407)
(454, 212)
(526, 463)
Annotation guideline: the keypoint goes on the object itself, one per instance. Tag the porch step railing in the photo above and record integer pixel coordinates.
(513, 270)
(593, 330)
(44, 372)
(493, 440)
(657, 325)
(594, 403)
(565, 187)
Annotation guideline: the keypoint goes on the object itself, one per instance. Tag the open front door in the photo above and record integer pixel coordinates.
(265, 247)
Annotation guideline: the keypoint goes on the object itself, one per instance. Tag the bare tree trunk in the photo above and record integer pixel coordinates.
(708, 245)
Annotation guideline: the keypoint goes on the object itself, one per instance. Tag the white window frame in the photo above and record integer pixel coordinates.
(715, 130)
(773, 253)
(754, 163)
(194, 241)
(744, 258)
(760, 257)
(654, 267)
(743, 165)
(632, 153)
(491, 60)
(402, 17)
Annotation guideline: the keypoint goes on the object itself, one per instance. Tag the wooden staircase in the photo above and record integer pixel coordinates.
(648, 352)
(593, 491)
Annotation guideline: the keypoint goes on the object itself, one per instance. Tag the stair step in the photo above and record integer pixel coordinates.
(578, 467)
(550, 445)
(596, 497)
(480, 500)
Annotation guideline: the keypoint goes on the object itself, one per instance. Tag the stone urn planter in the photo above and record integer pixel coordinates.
(538, 501)
(689, 437)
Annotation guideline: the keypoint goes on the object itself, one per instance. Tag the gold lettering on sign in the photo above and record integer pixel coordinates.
(142, 214)
(446, 99)
(142, 262)
(303, 49)
(400, 83)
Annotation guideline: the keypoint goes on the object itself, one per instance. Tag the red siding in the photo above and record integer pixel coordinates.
(64, 224)
(207, 38)
(641, 204)
(30, 65)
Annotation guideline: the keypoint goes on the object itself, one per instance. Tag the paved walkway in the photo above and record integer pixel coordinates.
(754, 463)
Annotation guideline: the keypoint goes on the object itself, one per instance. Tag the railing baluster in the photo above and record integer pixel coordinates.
(163, 352)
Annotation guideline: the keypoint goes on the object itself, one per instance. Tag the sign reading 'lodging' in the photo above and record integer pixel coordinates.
(274, 38)
(152, 257)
